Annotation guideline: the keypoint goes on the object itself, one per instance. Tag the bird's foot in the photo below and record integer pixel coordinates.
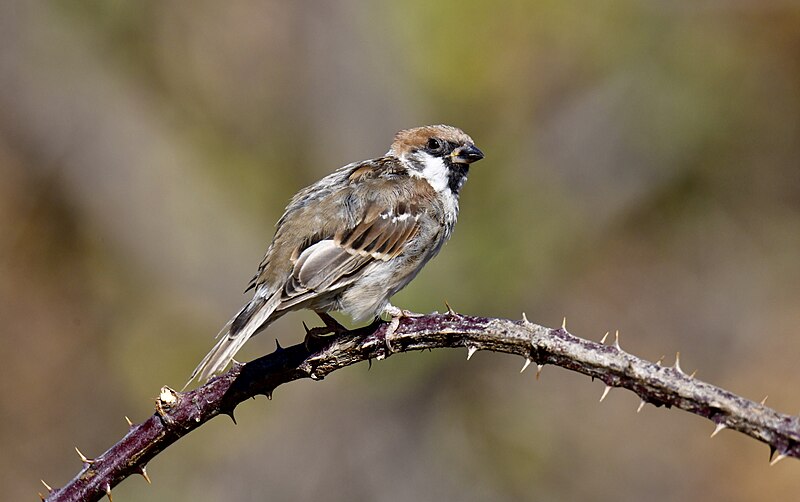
(395, 315)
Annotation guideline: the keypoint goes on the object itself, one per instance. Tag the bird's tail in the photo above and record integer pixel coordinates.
(251, 319)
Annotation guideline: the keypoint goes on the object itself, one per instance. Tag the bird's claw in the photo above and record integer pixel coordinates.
(395, 315)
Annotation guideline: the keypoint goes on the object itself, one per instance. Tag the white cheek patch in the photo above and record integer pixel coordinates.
(435, 172)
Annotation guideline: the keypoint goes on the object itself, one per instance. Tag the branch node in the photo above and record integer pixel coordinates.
(167, 399)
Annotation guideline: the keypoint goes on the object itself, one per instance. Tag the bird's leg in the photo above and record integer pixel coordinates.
(331, 328)
(395, 315)
(331, 324)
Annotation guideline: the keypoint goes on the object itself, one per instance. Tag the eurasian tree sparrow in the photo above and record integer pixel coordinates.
(356, 237)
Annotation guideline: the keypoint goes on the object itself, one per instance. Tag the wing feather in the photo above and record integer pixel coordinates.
(331, 264)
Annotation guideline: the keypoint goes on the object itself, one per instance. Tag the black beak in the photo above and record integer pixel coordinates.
(466, 154)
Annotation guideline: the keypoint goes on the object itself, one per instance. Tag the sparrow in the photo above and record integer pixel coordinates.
(356, 237)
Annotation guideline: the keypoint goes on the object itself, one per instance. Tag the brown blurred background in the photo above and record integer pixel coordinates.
(641, 174)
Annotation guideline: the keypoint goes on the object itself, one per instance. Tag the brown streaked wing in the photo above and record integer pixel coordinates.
(334, 263)
(380, 235)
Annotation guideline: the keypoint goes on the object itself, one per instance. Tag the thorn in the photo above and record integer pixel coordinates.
(603, 340)
(525, 319)
(269, 394)
(641, 405)
(449, 308)
(718, 428)
(143, 472)
(41, 497)
(369, 362)
(130, 424)
(660, 360)
(233, 418)
(616, 341)
(763, 401)
(564, 324)
(305, 327)
(49, 488)
(605, 392)
(108, 492)
(526, 364)
(471, 350)
(693, 374)
(539, 370)
(278, 347)
(777, 459)
(677, 365)
(84, 459)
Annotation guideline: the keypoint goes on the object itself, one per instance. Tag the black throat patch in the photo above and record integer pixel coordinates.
(457, 175)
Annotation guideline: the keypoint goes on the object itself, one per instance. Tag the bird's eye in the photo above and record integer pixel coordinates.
(435, 145)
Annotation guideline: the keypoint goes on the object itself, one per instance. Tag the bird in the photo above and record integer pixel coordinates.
(356, 237)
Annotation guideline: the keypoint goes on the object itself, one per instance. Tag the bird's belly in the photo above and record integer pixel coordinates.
(369, 295)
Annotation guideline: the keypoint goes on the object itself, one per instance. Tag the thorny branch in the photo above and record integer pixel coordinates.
(179, 413)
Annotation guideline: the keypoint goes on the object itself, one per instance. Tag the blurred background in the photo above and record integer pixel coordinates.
(641, 174)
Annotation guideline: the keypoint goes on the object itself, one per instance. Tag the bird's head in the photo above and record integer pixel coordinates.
(439, 153)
